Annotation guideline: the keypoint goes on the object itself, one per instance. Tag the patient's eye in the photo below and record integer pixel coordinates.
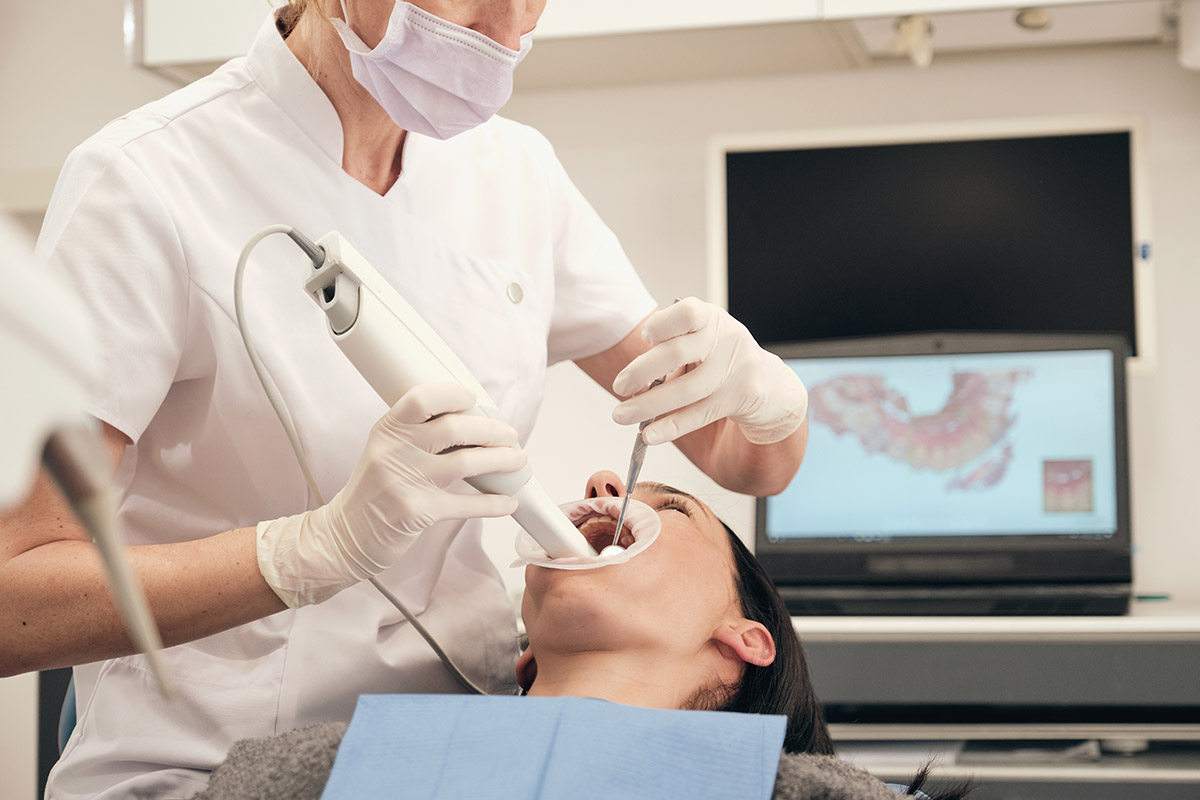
(672, 504)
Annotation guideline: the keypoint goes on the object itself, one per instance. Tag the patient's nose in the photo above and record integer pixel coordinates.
(604, 483)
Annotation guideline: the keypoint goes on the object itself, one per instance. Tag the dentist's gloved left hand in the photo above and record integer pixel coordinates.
(714, 370)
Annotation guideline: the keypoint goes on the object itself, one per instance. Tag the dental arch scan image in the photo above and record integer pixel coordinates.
(955, 444)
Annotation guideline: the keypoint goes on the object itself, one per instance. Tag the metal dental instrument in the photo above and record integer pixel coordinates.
(635, 468)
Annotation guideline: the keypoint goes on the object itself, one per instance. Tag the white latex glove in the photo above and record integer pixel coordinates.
(397, 490)
(714, 370)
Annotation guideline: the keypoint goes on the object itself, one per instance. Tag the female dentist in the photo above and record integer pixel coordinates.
(376, 119)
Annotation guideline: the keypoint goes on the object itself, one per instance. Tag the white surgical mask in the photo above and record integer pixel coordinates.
(431, 76)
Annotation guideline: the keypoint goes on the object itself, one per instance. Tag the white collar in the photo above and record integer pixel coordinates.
(285, 80)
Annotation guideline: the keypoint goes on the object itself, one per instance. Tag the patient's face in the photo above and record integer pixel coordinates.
(669, 597)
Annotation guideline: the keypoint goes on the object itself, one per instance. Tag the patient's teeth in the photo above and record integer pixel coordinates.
(599, 531)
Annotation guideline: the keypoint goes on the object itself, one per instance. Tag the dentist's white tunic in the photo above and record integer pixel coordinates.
(483, 234)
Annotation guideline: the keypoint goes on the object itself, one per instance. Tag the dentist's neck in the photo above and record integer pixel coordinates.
(372, 145)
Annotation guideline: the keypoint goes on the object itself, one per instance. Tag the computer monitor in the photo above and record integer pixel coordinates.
(956, 466)
(1038, 225)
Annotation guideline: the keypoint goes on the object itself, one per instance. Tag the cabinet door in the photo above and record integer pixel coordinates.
(564, 18)
(844, 9)
(168, 32)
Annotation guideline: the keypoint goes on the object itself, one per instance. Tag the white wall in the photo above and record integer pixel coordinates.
(62, 76)
(18, 737)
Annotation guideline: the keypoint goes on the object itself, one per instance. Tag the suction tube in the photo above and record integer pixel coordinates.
(395, 349)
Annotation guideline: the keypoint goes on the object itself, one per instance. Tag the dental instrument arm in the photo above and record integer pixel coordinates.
(46, 356)
(54, 586)
(58, 609)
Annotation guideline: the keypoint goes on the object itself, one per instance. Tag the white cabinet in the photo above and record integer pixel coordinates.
(170, 33)
(179, 33)
(989, 25)
(916, 686)
(568, 18)
(590, 42)
(846, 9)
(660, 40)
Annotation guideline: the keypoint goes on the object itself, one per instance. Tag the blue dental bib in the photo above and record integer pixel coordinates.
(421, 747)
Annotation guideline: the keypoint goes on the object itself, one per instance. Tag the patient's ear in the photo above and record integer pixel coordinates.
(750, 641)
(526, 669)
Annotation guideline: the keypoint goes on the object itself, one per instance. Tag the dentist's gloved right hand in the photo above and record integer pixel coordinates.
(714, 370)
(397, 490)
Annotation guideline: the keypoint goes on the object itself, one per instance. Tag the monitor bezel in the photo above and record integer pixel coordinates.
(974, 559)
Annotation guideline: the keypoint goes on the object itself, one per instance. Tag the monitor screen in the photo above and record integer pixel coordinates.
(845, 238)
(963, 444)
(946, 457)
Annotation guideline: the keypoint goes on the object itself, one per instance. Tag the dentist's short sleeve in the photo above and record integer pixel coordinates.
(598, 296)
(108, 238)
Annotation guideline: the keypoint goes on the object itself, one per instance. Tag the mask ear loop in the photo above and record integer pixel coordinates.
(526, 46)
(350, 39)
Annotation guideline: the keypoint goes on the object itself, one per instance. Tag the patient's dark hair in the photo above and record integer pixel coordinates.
(783, 686)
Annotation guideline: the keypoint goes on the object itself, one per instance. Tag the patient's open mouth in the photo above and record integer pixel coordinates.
(598, 529)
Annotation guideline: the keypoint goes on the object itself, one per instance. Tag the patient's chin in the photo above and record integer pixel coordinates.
(566, 616)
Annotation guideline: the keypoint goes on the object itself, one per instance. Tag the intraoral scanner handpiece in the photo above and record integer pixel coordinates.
(395, 349)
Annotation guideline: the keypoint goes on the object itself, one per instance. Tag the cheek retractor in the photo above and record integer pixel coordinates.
(641, 521)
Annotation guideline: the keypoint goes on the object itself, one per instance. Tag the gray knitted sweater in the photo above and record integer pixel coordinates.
(296, 765)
